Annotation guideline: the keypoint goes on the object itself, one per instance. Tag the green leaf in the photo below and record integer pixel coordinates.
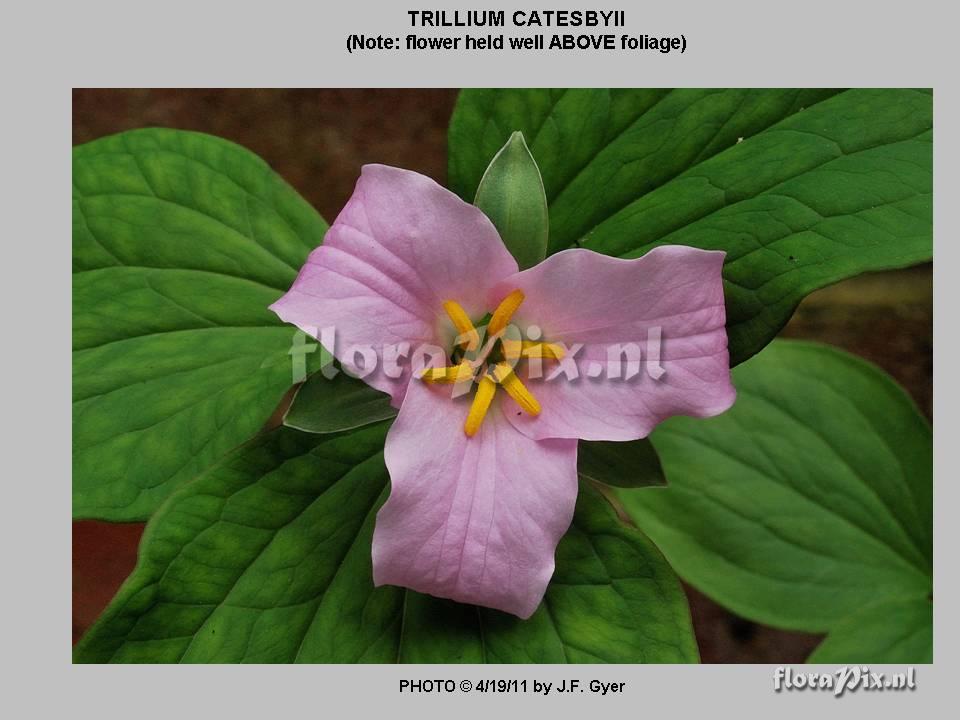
(807, 501)
(180, 242)
(621, 464)
(329, 405)
(801, 188)
(511, 194)
(266, 558)
(893, 631)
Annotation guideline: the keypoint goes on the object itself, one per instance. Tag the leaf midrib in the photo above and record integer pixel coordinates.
(898, 522)
(698, 161)
(704, 492)
(131, 589)
(763, 193)
(179, 331)
(189, 209)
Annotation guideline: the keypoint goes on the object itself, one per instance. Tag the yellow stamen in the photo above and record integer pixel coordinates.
(505, 310)
(516, 389)
(550, 351)
(515, 349)
(512, 349)
(481, 403)
(453, 374)
(461, 322)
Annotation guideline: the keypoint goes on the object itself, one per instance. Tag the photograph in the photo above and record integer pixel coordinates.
(508, 376)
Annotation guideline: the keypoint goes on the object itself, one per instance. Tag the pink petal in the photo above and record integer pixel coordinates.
(400, 247)
(476, 520)
(578, 296)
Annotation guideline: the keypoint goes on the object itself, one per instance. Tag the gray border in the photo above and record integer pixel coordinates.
(192, 43)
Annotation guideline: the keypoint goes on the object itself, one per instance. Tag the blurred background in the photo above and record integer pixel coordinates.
(318, 139)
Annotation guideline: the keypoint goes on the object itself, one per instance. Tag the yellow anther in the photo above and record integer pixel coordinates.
(515, 388)
(481, 403)
(502, 373)
(470, 338)
(512, 349)
(550, 351)
(505, 310)
(453, 374)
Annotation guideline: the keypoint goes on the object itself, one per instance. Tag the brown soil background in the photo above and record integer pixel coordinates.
(318, 139)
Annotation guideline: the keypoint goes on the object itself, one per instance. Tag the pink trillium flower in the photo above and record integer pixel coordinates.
(483, 483)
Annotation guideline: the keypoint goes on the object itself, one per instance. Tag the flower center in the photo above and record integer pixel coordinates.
(491, 364)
